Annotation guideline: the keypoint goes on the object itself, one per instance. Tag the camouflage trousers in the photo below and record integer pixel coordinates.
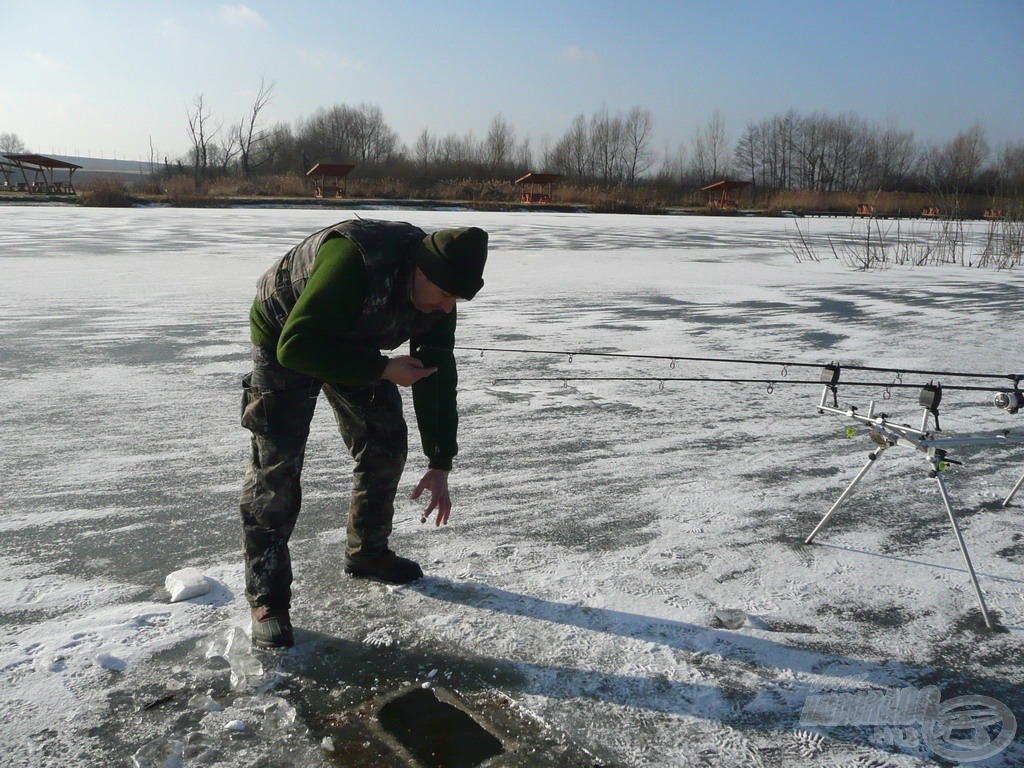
(277, 408)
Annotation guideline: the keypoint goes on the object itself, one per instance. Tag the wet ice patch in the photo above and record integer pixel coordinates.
(111, 663)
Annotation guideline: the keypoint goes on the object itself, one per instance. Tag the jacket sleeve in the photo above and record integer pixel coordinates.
(312, 340)
(434, 398)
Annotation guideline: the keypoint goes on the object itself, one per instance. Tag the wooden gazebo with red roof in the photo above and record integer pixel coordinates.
(537, 187)
(722, 189)
(330, 177)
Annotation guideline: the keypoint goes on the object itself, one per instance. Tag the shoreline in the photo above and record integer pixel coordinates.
(146, 201)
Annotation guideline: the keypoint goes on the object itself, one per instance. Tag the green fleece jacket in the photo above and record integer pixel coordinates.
(313, 342)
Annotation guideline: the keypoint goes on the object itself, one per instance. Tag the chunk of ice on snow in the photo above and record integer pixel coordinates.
(160, 753)
(730, 618)
(186, 584)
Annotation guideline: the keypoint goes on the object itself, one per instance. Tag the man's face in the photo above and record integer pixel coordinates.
(427, 297)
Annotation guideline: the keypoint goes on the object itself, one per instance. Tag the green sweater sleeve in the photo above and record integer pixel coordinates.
(434, 398)
(312, 340)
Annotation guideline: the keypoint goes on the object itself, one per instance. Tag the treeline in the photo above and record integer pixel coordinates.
(825, 153)
(790, 151)
(787, 152)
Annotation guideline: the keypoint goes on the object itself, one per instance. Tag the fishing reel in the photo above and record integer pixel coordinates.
(1011, 402)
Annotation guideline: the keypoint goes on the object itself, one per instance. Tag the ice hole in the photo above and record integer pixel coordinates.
(437, 733)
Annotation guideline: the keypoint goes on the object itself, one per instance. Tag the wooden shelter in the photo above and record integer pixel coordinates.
(44, 174)
(8, 170)
(930, 212)
(537, 187)
(718, 194)
(330, 178)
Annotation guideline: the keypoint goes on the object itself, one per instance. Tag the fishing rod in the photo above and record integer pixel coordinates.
(1007, 398)
(570, 354)
(771, 383)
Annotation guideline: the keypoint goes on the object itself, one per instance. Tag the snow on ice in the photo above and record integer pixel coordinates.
(606, 535)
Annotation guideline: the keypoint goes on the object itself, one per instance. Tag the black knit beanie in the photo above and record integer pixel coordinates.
(453, 260)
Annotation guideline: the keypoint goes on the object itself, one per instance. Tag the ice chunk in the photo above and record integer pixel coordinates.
(205, 702)
(201, 749)
(278, 719)
(160, 753)
(185, 584)
(730, 618)
(235, 647)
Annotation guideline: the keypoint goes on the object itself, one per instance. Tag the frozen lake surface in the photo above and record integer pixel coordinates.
(598, 525)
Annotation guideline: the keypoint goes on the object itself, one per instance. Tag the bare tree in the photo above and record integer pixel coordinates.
(524, 155)
(637, 130)
(843, 140)
(675, 165)
(499, 145)
(10, 143)
(254, 145)
(223, 155)
(458, 155)
(573, 154)
(711, 151)
(749, 154)
(825, 153)
(1010, 170)
(808, 142)
(324, 135)
(953, 167)
(895, 156)
(345, 134)
(288, 155)
(373, 141)
(425, 149)
(607, 138)
(201, 135)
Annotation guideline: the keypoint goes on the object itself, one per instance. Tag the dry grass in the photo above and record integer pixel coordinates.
(497, 193)
(877, 243)
(885, 204)
(181, 190)
(104, 193)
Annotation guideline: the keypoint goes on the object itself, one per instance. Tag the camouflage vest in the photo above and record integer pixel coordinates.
(388, 317)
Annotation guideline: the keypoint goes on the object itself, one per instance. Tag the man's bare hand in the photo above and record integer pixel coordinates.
(405, 371)
(435, 481)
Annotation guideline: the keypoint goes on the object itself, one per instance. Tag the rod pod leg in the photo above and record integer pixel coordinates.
(1008, 499)
(872, 457)
(959, 538)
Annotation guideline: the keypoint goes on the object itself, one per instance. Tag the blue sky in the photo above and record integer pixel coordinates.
(105, 77)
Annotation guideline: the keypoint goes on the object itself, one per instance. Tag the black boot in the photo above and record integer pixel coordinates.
(271, 627)
(386, 566)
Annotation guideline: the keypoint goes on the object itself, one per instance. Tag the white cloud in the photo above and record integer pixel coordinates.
(241, 15)
(43, 61)
(171, 29)
(576, 55)
(319, 61)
